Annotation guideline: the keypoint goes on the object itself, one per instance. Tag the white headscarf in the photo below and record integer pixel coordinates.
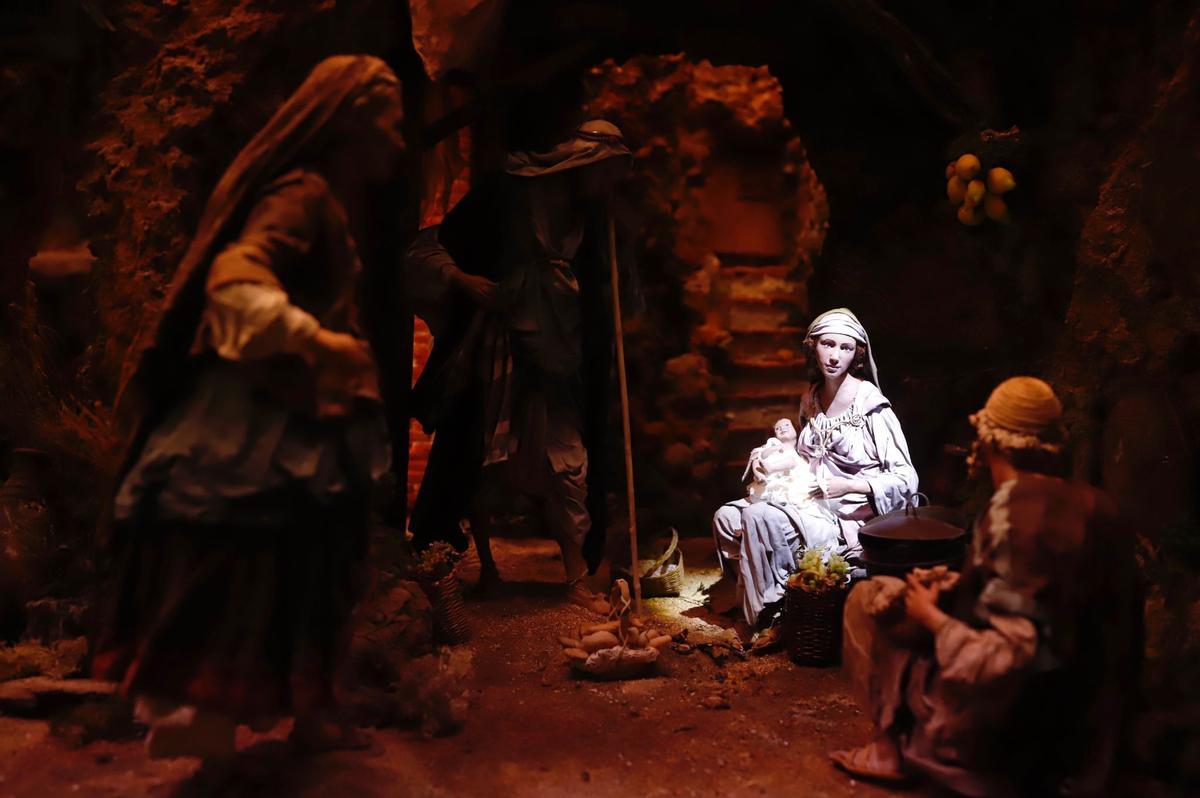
(842, 321)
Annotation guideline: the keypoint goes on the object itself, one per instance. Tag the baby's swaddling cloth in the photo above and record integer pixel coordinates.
(781, 475)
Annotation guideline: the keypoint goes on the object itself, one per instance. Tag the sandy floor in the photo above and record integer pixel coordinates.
(535, 729)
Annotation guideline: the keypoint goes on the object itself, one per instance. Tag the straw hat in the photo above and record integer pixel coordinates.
(1021, 413)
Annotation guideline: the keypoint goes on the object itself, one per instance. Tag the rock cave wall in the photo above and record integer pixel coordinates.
(732, 217)
(1129, 358)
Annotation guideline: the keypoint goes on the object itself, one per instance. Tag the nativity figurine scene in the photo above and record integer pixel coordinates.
(347, 440)
(849, 463)
(522, 288)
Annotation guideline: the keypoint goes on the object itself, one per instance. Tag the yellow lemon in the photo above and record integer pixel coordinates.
(975, 192)
(956, 189)
(970, 215)
(967, 167)
(1000, 180)
(995, 208)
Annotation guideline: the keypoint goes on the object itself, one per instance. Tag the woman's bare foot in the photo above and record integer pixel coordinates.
(314, 735)
(879, 760)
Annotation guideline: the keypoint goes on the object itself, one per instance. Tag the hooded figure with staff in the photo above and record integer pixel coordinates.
(516, 286)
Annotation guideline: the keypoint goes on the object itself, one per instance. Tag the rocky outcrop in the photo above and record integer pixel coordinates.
(1129, 363)
(731, 218)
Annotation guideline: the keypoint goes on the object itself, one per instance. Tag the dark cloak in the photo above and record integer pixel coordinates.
(449, 399)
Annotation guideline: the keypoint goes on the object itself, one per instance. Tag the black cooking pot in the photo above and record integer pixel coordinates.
(913, 536)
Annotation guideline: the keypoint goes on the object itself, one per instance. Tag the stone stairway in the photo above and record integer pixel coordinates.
(766, 377)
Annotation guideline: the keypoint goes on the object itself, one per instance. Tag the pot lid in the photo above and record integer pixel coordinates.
(916, 523)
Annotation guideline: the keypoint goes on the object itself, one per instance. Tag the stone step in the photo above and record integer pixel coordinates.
(753, 395)
(756, 299)
(745, 438)
(765, 374)
(764, 348)
(748, 259)
(781, 332)
(762, 415)
(755, 275)
(769, 346)
(768, 280)
(746, 362)
(757, 285)
(757, 296)
(751, 270)
(755, 314)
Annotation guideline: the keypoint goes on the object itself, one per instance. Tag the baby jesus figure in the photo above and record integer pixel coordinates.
(780, 474)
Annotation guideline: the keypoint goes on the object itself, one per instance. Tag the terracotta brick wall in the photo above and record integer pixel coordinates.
(419, 442)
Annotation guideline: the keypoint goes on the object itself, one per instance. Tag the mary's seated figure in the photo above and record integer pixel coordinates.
(854, 454)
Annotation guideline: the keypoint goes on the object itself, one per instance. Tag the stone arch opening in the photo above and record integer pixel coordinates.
(732, 217)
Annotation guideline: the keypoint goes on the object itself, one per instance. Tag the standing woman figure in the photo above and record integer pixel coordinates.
(240, 522)
(853, 444)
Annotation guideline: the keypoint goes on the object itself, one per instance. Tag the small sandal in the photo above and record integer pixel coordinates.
(864, 763)
(580, 596)
(766, 641)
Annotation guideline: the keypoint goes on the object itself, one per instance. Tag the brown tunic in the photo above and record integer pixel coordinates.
(246, 431)
(1023, 687)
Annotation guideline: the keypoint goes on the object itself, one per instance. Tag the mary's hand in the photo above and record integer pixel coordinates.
(836, 487)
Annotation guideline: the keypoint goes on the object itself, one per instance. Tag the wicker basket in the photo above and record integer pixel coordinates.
(450, 622)
(812, 625)
(664, 576)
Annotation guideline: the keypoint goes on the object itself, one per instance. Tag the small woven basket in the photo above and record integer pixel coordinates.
(450, 620)
(812, 625)
(664, 576)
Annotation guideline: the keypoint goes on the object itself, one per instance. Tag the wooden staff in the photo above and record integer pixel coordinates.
(618, 332)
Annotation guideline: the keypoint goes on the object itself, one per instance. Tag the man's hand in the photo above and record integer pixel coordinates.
(483, 292)
(345, 370)
(920, 604)
(836, 487)
(342, 351)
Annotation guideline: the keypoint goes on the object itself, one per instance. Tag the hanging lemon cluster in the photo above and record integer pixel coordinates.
(976, 197)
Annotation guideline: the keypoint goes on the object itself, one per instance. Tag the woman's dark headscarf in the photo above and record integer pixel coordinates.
(295, 134)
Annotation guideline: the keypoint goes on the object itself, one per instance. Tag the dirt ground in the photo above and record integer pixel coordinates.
(534, 729)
